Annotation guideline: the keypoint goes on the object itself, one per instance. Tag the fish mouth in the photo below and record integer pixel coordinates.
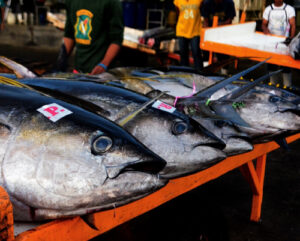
(200, 158)
(147, 164)
(216, 142)
(295, 111)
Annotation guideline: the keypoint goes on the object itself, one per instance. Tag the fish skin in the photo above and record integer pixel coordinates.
(177, 150)
(49, 170)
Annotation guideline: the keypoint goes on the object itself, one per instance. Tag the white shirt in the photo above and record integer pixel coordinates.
(278, 18)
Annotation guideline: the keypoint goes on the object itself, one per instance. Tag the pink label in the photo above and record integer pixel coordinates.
(54, 112)
(163, 106)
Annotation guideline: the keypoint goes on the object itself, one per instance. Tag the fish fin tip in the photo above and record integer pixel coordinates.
(89, 219)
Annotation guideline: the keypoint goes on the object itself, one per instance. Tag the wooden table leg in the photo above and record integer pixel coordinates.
(255, 177)
(257, 199)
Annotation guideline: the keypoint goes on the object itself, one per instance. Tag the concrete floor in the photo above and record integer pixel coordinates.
(220, 208)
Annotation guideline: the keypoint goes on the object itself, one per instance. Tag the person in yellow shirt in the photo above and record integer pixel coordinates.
(188, 29)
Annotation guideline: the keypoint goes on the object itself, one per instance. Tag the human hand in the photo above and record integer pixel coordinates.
(98, 69)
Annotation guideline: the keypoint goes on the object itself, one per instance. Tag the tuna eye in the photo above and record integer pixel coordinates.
(102, 144)
(179, 127)
(274, 99)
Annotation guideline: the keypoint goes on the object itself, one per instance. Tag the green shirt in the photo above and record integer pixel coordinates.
(94, 25)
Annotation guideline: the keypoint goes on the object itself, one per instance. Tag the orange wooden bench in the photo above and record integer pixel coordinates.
(245, 52)
(76, 229)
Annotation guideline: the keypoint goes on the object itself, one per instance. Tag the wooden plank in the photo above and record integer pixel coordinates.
(142, 48)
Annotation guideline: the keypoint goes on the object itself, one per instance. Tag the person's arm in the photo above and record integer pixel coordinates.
(115, 35)
(264, 26)
(2, 18)
(109, 56)
(292, 22)
(69, 45)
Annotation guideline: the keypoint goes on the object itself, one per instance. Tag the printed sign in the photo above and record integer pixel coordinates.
(54, 112)
(163, 106)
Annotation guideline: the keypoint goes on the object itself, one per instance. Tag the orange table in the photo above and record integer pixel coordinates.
(245, 52)
(76, 229)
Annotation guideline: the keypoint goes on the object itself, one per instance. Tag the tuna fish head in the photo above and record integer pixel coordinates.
(183, 143)
(266, 110)
(78, 164)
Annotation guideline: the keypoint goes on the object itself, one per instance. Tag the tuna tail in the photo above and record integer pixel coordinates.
(244, 89)
(206, 93)
(19, 70)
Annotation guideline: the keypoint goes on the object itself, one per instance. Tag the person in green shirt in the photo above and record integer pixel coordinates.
(2, 6)
(95, 28)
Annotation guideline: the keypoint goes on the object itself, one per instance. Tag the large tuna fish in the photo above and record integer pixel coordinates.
(59, 160)
(185, 145)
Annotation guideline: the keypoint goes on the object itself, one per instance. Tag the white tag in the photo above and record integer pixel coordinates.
(54, 112)
(163, 106)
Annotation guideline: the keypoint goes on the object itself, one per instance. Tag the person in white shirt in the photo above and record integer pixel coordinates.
(279, 19)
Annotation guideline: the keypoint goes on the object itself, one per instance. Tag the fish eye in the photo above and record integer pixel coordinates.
(274, 99)
(102, 144)
(179, 127)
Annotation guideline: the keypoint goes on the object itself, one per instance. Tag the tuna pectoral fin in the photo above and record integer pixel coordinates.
(296, 101)
(227, 111)
(19, 70)
(282, 143)
(89, 219)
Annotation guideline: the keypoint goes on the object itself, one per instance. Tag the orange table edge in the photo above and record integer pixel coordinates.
(254, 54)
(76, 229)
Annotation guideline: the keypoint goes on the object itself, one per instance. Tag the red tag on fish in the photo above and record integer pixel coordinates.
(163, 106)
(54, 112)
